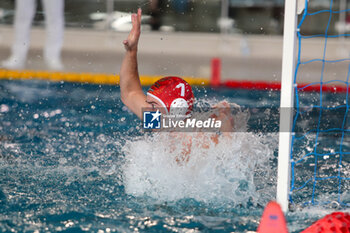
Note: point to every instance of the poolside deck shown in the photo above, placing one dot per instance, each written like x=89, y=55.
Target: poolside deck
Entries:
x=248, y=57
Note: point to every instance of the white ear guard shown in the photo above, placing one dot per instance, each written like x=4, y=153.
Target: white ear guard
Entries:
x=179, y=107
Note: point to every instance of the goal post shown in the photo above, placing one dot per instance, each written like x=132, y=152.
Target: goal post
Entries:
x=287, y=101
x=314, y=136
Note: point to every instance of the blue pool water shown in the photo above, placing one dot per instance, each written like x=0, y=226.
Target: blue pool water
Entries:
x=73, y=159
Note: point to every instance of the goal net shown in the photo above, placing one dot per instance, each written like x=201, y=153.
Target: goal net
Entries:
x=314, y=149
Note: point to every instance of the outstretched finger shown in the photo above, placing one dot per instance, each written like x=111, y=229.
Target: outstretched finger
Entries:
x=133, y=21
x=139, y=13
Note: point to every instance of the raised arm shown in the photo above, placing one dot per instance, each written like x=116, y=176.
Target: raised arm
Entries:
x=130, y=86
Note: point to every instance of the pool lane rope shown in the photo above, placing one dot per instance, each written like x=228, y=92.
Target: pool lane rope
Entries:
x=93, y=78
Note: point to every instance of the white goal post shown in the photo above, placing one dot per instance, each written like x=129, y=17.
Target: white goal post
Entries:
x=291, y=8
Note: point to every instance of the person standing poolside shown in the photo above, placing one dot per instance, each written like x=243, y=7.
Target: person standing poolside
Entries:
x=54, y=19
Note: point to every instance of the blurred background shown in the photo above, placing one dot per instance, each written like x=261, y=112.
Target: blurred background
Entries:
x=180, y=37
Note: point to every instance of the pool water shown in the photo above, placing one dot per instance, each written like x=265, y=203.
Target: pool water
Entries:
x=73, y=159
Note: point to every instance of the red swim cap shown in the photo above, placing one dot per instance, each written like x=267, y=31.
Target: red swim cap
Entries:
x=174, y=94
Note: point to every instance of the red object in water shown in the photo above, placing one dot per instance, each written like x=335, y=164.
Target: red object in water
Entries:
x=263, y=85
x=215, y=72
x=272, y=220
x=336, y=222
x=253, y=85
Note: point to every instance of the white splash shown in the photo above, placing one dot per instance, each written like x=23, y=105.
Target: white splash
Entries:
x=236, y=170
x=4, y=108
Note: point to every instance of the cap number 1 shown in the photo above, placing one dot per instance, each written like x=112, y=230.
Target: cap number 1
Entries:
x=182, y=86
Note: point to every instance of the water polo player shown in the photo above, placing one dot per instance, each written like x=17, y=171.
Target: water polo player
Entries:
x=170, y=95
x=166, y=94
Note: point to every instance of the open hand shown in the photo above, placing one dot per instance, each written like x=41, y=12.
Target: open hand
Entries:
x=131, y=42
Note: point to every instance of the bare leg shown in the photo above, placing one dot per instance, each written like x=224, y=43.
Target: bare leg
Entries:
x=54, y=19
x=25, y=10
